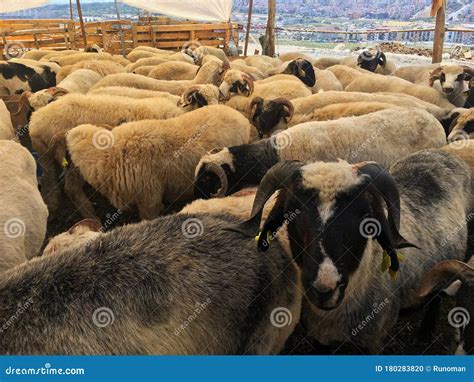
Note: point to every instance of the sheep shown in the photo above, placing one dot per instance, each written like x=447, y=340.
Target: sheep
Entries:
x=83, y=56
x=36, y=65
x=254, y=73
x=49, y=125
x=154, y=150
x=16, y=78
x=151, y=49
x=383, y=136
x=462, y=277
x=346, y=74
x=174, y=71
x=80, y=81
x=378, y=83
x=372, y=60
x=197, y=96
x=123, y=91
x=23, y=215
x=6, y=126
x=264, y=63
x=450, y=80
x=209, y=73
x=462, y=126
x=145, y=263
x=417, y=74
x=104, y=68
x=269, y=115
x=200, y=52
x=56, y=53
x=156, y=60
x=144, y=70
x=326, y=62
x=36, y=54
x=292, y=56
x=343, y=233
x=135, y=56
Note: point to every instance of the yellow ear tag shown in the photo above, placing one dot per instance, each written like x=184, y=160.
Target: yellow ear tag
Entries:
x=269, y=237
x=401, y=257
x=64, y=163
x=258, y=236
x=386, y=261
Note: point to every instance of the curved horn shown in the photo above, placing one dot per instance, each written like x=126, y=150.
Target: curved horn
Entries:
x=277, y=178
x=256, y=101
x=187, y=96
x=248, y=81
x=446, y=270
x=434, y=75
x=288, y=104
x=469, y=71
x=219, y=171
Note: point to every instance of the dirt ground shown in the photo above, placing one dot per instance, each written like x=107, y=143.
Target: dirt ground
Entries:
x=402, y=339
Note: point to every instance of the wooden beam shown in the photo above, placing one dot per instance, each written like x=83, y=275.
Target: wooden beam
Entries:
x=247, y=32
x=270, y=32
x=439, y=35
x=81, y=21
x=122, y=38
x=70, y=10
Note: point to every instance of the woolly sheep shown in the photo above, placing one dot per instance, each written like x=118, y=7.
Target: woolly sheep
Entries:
x=346, y=74
x=23, y=215
x=80, y=81
x=6, y=126
x=452, y=82
x=269, y=115
x=156, y=60
x=104, y=68
x=417, y=74
x=209, y=73
x=83, y=56
x=123, y=91
x=378, y=83
x=326, y=62
x=197, y=96
x=165, y=160
x=342, y=278
x=162, y=265
x=49, y=125
x=140, y=54
x=36, y=65
x=264, y=63
x=174, y=71
x=383, y=136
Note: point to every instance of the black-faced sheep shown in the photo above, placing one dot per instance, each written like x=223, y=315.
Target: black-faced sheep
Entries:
x=462, y=126
x=355, y=222
x=384, y=136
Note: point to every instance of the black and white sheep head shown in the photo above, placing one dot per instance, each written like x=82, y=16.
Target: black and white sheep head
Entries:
x=336, y=203
x=212, y=174
x=450, y=76
x=370, y=60
x=269, y=116
x=303, y=69
x=462, y=126
x=236, y=82
x=198, y=96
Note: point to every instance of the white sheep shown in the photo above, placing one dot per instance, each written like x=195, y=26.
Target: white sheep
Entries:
x=209, y=73
x=6, y=126
x=79, y=81
x=160, y=157
x=124, y=91
x=102, y=67
x=174, y=70
x=23, y=214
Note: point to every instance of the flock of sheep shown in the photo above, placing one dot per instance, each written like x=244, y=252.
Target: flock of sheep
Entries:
x=318, y=192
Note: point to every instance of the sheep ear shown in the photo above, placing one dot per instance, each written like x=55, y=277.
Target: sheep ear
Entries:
x=434, y=75
x=382, y=59
x=215, y=150
x=91, y=225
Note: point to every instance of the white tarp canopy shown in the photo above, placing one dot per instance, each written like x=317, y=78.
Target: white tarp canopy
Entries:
x=200, y=10
x=19, y=5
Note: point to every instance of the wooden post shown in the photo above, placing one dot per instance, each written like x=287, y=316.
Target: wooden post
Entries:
x=247, y=32
x=122, y=38
x=81, y=21
x=70, y=10
x=270, y=32
x=439, y=34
